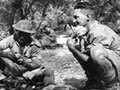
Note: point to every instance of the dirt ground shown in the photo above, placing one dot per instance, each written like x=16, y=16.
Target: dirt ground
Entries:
x=67, y=70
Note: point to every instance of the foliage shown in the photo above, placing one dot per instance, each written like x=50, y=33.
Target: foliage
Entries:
x=107, y=12
x=6, y=14
x=14, y=10
x=54, y=14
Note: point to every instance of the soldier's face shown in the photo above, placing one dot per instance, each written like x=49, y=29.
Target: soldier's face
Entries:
x=80, y=20
x=79, y=17
x=22, y=36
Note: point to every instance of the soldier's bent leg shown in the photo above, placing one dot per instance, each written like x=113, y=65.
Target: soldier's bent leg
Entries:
x=100, y=60
x=14, y=68
x=2, y=65
x=9, y=64
x=46, y=76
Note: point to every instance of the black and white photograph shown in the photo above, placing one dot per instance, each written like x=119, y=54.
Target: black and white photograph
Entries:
x=59, y=44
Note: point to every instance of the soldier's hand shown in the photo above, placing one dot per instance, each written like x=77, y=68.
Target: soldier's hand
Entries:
x=18, y=56
x=71, y=42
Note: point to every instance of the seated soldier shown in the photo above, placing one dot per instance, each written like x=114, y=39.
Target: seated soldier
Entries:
x=101, y=57
x=22, y=57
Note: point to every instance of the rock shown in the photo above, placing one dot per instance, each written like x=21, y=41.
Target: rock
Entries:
x=59, y=87
x=49, y=87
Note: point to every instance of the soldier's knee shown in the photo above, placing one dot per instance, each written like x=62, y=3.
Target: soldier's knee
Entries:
x=7, y=62
x=98, y=54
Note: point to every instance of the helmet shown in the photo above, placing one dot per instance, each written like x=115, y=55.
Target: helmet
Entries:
x=24, y=26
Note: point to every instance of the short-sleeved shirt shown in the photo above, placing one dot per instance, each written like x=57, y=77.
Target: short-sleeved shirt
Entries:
x=102, y=34
x=105, y=36
x=31, y=51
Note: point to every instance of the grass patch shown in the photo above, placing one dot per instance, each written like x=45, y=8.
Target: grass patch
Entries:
x=67, y=70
